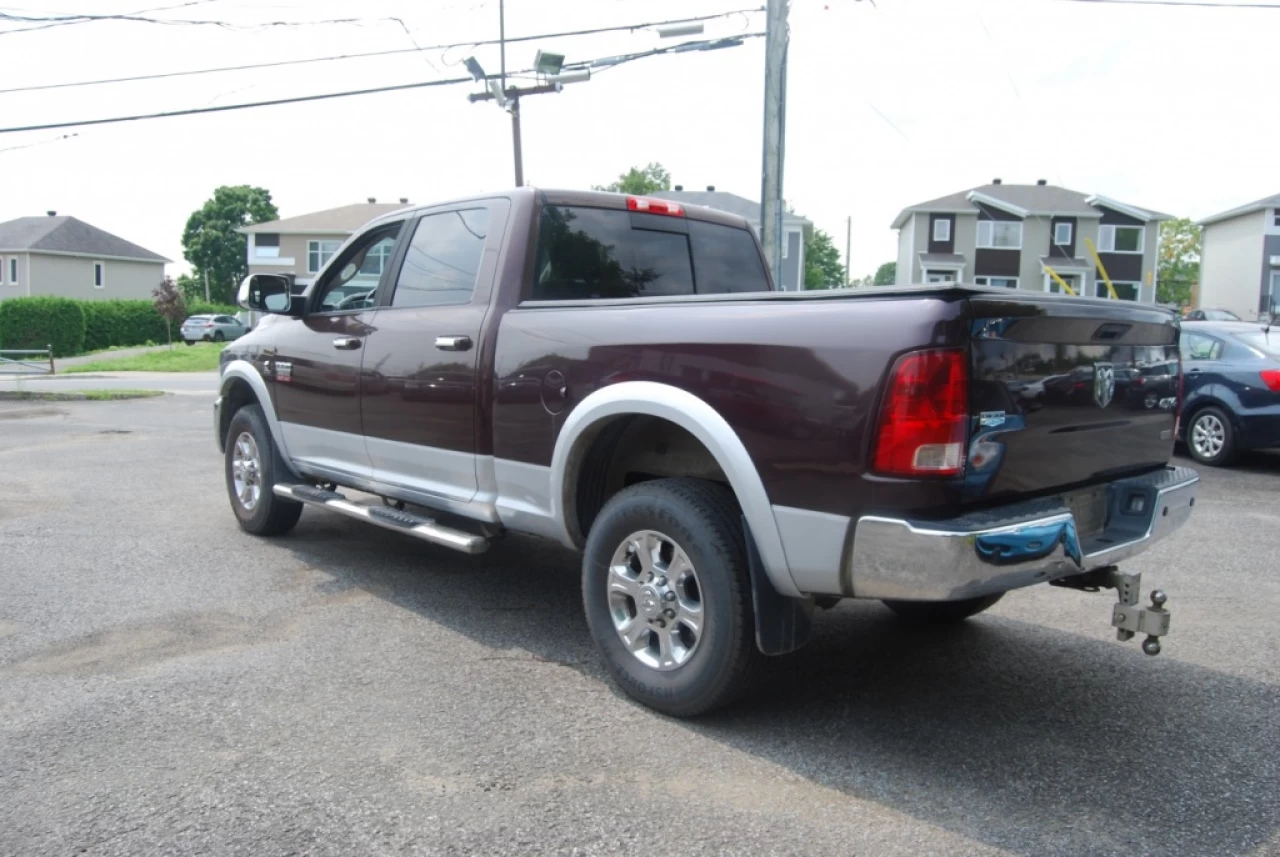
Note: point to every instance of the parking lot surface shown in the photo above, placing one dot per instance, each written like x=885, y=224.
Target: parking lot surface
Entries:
x=170, y=685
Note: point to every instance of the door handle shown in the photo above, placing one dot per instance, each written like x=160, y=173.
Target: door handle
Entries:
x=453, y=343
x=347, y=343
x=1194, y=371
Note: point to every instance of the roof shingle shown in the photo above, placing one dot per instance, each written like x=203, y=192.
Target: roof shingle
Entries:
x=69, y=235
x=1037, y=199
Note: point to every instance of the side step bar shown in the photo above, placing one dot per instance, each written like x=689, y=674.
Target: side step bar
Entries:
x=416, y=526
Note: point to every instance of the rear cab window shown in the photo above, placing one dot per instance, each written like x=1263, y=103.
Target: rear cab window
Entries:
x=587, y=253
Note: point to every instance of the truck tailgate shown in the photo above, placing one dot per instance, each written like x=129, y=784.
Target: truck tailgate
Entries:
x=1067, y=391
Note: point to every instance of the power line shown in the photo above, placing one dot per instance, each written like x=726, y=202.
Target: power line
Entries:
x=67, y=20
x=390, y=52
x=1200, y=4
x=275, y=102
x=72, y=20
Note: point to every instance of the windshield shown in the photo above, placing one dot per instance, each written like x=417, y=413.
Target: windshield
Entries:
x=1220, y=315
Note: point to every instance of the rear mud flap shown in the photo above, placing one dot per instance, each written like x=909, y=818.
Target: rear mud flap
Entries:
x=782, y=624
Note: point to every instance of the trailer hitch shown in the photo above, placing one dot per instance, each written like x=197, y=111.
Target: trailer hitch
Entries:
x=1126, y=616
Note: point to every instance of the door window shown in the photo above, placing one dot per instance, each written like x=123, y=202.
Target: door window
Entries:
x=1197, y=346
x=442, y=260
x=352, y=283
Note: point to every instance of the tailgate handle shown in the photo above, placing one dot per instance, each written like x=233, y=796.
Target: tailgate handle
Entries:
x=1111, y=330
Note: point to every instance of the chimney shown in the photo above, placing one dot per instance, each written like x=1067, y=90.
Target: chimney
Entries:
x=679, y=187
x=1041, y=182
x=52, y=213
x=997, y=181
x=404, y=200
x=711, y=188
x=372, y=200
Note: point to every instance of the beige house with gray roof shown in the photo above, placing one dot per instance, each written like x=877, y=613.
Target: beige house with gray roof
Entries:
x=1020, y=236
x=59, y=256
x=302, y=245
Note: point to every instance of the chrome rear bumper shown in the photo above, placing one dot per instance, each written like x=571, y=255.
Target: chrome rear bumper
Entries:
x=997, y=550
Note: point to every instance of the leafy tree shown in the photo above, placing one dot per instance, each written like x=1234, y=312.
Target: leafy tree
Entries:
x=822, y=266
x=192, y=289
x=210, y=241
x=1179, y=263
x=170, y=305
x=639, y=180
x=886, y=274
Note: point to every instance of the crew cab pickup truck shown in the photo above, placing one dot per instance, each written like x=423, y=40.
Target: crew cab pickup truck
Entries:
x=620, y=375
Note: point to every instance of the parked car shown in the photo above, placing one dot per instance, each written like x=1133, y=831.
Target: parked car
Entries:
x=1231, y=389
x=1211, y=315
x=617, y=373
x=212, y=328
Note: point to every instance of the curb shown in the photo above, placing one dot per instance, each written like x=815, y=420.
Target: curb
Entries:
x=35, y=396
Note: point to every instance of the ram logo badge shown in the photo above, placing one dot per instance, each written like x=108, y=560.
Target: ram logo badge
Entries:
x=1104, y=384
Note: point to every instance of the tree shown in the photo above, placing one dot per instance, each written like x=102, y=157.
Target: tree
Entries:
x=886, y=274
x=822, y=266
x=1179, y=263
x=640, y=180
x=170, y=305
x=211, y=243
x=191, y=288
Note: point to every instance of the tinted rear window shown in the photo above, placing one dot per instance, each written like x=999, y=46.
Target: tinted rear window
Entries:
x=1267, y=343
x=586, y=253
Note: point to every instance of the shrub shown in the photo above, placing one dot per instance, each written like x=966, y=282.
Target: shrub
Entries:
x=30, y=323
x=137, y=323
x=101, y=322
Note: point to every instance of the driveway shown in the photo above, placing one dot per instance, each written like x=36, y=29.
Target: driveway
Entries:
x=169, y=685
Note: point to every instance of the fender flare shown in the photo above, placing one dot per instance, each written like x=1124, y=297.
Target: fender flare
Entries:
x=694, y=415
x=245, y=371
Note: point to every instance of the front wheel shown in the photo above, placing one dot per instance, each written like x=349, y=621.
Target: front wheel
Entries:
x=667, y=595
x=942, y=612
x=189, y=341
x=253, y=467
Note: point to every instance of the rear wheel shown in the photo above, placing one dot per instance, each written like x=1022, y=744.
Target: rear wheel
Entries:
x=942, y=612
x=218, y=336
x=189, y=341
x=253, y=467
x=667, y=595
x=1210, y=438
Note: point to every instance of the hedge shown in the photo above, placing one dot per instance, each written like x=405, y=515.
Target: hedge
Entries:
x=31, y=323
x=101, y=324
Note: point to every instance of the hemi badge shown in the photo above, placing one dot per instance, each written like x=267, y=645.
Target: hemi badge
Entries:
x=992, y=419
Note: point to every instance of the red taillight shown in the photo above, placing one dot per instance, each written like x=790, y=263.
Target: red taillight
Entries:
x=1139, y=381
x=1271, y=377
x=655, y=206
x=924, y=420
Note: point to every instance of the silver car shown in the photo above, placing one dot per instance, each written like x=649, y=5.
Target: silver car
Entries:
x=212, y=328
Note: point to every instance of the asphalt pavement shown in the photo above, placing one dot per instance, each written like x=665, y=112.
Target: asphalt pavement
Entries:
x=170, y=685
x=178, y=383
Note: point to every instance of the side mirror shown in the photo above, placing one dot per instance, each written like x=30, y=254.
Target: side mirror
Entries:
x=271, y=293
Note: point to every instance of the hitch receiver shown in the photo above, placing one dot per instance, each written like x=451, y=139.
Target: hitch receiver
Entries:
x=1126, y=616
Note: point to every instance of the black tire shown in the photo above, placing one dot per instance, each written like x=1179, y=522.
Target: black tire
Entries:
x=218, y=336
x=704, y=521
x=189, y=342
x=1207, y=416
x=269, y=515
x=941, y=612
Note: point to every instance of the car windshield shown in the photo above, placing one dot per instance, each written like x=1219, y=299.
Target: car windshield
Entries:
x=1268, y=342
x=1220, y=315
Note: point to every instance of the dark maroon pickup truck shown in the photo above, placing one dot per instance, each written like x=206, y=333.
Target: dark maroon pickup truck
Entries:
x=618, y=374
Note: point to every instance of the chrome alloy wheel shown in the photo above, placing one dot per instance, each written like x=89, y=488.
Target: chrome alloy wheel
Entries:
x=1208, y=435
x=246, y=471
x=655, y=601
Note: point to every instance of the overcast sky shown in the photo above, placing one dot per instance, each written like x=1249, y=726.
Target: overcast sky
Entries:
x=1167, y=108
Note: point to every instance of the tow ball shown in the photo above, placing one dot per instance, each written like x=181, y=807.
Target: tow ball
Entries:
x=1126, y=616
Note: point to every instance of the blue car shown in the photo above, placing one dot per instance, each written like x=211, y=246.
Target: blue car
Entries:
x=1231, y=389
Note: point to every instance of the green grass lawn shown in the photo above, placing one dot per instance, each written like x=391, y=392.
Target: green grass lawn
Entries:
x=77, y=395
x=201, y=357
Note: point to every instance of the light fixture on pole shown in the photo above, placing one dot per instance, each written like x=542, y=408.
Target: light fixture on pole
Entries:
x=546, y=64
x=473, y=66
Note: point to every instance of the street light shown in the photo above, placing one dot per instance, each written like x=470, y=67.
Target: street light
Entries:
x=473, y=66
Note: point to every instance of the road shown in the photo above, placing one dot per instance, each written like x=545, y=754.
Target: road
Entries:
x=169, y=685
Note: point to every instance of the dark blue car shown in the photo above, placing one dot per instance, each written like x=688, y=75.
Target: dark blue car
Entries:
x=1231, y=389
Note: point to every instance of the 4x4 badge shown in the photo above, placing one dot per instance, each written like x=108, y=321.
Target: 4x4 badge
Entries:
x=1104, y=383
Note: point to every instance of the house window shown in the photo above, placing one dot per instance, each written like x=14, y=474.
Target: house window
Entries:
x=942, y=229
x=939, y=276
x=1000, y=234
x=1276, y=217
x=13, y=272
x=1124, y=290
x=266, y=245
x=997, y=282
x=99, y=274
x=1062, y=234
x=1120, y=239
x=319, y=253
x=377, y=258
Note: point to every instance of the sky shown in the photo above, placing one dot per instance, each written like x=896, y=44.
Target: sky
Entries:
x=888, y=104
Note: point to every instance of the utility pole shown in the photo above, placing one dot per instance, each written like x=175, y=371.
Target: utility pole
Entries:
x=775, y=95
x=848, y=247
x=512, y=95
x=514, y=108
